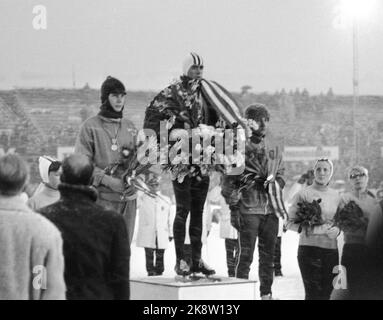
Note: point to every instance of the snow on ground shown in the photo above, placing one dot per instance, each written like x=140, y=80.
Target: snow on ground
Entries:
x=288, y=287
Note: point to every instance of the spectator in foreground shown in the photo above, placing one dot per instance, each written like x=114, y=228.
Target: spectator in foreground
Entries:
x=32, y=264
x=96, y=243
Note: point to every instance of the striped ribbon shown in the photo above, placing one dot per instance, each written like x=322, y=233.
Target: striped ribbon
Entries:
x=274, y=194
x=222, y=102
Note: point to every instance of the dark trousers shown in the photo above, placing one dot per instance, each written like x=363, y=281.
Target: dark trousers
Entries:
x=157, y=266
x=231, y=246
x=316, y=266
x=354, y=259
x=128, y=211
x=188, y=253
x=277, y=255
x=265, y=227
x=190, y=197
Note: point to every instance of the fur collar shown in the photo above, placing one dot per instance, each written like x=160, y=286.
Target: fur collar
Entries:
x=72, y=190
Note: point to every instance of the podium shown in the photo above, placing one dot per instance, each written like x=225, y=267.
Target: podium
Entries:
x=165, y=288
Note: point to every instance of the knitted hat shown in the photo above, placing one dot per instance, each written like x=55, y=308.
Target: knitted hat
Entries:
x=46, y=164
x=111, y=85
x=257, y=111
x=192, y=59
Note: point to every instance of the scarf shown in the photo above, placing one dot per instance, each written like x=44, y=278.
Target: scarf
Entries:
x=107, y=111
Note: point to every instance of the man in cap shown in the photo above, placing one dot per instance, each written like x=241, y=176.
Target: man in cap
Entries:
x=252, y=214
x=182, y=101
x=101, y=138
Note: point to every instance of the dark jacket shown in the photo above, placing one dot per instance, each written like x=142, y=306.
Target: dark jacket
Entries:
x=96, y=245
x=254, y=200
x=183, y=100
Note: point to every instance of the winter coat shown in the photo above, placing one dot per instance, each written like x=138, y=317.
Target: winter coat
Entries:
x=155, y=221
x=94, y=142
x=96, y=245
x=255, y=199
x=43, y=197
x=183, y=100
x=30, y=247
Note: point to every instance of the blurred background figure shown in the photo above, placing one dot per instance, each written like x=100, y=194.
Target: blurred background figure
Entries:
x=47, y=192
x=155, y=226
x=374, y=263
x=278, y=249
x=303, y=181
x=230, y=234
x=30, y=245
x=354, y=253
x=379, y=192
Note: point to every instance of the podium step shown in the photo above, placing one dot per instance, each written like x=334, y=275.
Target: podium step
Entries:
x=217, y=288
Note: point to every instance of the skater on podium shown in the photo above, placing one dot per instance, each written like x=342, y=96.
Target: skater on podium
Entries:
x=101, y=139
x=183, y=100
x=252, y=214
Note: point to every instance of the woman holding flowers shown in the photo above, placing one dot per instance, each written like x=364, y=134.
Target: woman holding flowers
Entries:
x=102, y=139
x=311, y=214
x=355, y=211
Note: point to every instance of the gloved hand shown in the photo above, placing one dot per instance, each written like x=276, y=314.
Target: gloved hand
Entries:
x=236, y=220
x=234, y=197
x=112, y=183
x=130, y=191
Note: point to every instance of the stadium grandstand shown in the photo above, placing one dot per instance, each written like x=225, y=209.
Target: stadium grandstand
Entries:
x=39, y=121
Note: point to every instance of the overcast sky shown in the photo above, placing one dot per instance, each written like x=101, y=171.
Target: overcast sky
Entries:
x=267, y=44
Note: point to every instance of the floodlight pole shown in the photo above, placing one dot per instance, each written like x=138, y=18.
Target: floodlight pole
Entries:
x=355, y=104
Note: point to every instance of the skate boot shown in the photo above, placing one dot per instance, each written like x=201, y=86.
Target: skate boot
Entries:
x=278, y=273
x=201, y=266
x=182, y=268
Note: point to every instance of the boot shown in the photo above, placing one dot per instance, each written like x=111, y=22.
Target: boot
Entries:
x=182, y=268
x=201, y=266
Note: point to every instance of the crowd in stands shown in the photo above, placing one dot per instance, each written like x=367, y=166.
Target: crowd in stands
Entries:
x=299, y=119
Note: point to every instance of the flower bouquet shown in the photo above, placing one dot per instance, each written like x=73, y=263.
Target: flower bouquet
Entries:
x=309, y=215
x=182, y=164
x=130, y=167
x=350, y=218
